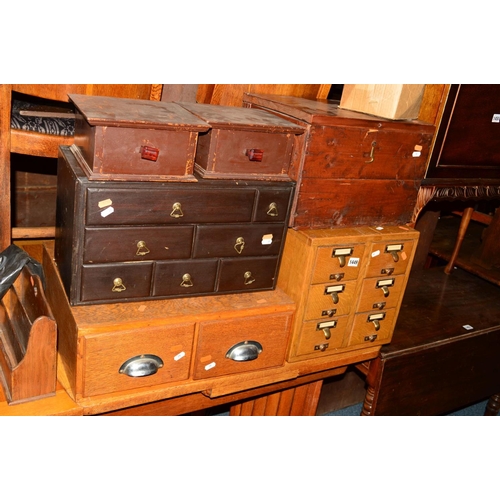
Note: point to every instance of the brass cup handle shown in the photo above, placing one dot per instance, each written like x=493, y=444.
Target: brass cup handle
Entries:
x=142, y=249
x=239, y=245
x=247, y=350
x=176, y=210
x=186, y=280
x=141, y=366
x=118, y=285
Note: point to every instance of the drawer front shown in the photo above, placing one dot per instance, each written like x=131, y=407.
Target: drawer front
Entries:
x=185, y=277
x=338, y=263
x=168, y=206
x=238, y=240
x=266, y=337
x=246, y=152
x=115, y=282
x=367, y=153
x=380, y=293
x=118, y=244
x=105, y=354
x=366, y=330
x=273, y=205
x=328, y=300
x=321, y=337
x=119, y=150
x=242, y=275
x=389, y=257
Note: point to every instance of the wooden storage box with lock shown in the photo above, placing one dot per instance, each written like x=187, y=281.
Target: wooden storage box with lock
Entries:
x=243, y=143
x=123, y=241
x=134, y=139
x=348, y=288
x=351, y=169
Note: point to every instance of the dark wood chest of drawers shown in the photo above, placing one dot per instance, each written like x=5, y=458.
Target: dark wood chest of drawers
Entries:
x=351, y=169
x=124, y=241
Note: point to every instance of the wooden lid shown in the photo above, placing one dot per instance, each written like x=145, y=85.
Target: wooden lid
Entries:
x=232, y=117
x=136, y=113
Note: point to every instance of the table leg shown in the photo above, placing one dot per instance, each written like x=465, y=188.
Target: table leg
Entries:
x=493, y=406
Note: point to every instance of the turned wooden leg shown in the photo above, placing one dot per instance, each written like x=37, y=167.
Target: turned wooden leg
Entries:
x=368, y=402
x=464, y=224
x=493, y=406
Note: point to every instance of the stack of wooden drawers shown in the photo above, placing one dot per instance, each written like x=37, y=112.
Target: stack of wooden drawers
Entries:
x=348, y=288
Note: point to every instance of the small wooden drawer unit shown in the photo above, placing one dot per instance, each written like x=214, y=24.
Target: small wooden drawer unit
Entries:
x=126, y=241
x=218, y=344
x=243, y=143
x=348, y=287
x=351, y=169
x=135, y=139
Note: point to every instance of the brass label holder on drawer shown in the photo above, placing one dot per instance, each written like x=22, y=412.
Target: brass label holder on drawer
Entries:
x=334, y=291
x=375, y=319
x=393, y=250
x=341, y=254
x=325, y=326
x=384, y=285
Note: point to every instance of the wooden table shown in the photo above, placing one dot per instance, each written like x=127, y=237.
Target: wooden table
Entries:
x=445, y=352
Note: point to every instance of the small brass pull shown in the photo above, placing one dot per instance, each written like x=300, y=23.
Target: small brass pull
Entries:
x=142, y=249
x=372, y=153
x=328, y=312
x=186, y=280
x=273, y=210
x=118, y=285
x=337, y=276
x=375, y=319
x=335, y=297
x=341, y=260
x=376, y=324
x=393, y=250
x=395, y=256
x=379, y=305
x=325, y=326
x=249, y=279
x=334, y=291
x=341, y=254
x=176, y=210
x=386, y=291
x=370, y=338
x=387, y=270
x=328, y=333
x=321, y=347
x=239, y=245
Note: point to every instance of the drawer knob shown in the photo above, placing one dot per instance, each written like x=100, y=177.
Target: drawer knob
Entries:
x=239, y=245
x=142, y=249
x=255, y=154
x=370, y=338
x=249, y=279
x=244, y=351
x=141, y=366
x=186, y=280
x=372, y=153
x=273, y=210
x=118, y=285
x=176, y=210
x=149, y=153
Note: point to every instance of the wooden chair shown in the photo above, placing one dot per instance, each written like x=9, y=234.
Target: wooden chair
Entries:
x=33, y=143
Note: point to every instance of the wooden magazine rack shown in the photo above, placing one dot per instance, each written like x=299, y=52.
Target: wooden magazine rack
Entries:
x=28, y=336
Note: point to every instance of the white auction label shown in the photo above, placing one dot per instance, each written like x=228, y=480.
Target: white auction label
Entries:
x=353, y=262
x=107, y=211
x=210, y=366
x=179, y=356
x=496, y=118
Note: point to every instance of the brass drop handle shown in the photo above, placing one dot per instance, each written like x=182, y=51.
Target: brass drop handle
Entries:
x=376, y=324
x=341, y=260
x=375, y=319
x=395, y=256
x=141, y=366
x=393, y=250
x=273, y=210
x=327, y=333
x=118, y=285
x=142, y=249
x=341, y=254
x=249, y=279
x=240, y=244
x=186, y=280
x=325, y=326
x=372, y=152
x=386, y=291
x=335, y=297
x=176, y=210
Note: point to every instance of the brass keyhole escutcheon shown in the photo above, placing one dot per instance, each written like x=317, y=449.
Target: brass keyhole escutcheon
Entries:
x=273, y=210
x=186, y=280
x=176, y=210
x=142, y=249
x=239, y=245
x=249, y=279
x=118, y=285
